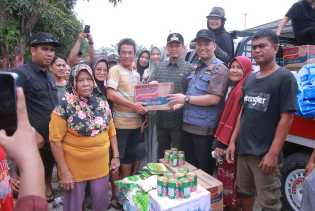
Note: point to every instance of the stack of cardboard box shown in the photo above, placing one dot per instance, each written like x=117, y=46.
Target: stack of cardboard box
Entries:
x=211, y=184
x=296, y=57
x=214, y=186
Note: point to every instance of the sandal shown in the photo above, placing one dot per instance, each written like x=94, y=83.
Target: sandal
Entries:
x=115, y=204
x=50, y=198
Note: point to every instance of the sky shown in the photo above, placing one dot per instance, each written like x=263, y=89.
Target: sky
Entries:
x=149, y=22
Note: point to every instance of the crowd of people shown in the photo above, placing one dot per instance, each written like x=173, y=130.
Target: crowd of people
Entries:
x=81, y=114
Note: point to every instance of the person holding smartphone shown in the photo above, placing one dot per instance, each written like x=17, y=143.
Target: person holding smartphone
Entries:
x=41, y=94
x=75, y=55
x=21, y=147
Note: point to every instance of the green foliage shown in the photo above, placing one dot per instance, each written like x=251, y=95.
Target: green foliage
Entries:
x=61, y=22
x=10, y=34
x=20, y=18
x=115, y=1
x=22, y=7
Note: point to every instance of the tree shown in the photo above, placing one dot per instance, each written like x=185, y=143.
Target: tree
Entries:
x=19, y=18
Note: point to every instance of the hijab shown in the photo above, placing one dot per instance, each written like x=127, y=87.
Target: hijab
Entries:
x=100, y=84
x=88, y=116
x=232, y=106
x=141, y=68
x=152, y=65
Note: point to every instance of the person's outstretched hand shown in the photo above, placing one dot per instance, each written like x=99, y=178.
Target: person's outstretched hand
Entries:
x=22, y=148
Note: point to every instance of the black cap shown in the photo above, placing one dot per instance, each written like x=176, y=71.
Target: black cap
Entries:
x=175, y=37
x=44, y=38
x=205, y=34
x=217, y=12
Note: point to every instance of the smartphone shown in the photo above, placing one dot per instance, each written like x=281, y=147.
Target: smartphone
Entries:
x=86, y=29
x=8, y=116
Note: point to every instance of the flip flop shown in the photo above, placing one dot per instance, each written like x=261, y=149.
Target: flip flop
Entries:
x=115, y=204
x=50, y=198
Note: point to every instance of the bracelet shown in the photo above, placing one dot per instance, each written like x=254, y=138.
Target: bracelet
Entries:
x=117, y=157
x=91, y=43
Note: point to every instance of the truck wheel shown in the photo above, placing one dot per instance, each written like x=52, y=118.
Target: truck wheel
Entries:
x=292, y=173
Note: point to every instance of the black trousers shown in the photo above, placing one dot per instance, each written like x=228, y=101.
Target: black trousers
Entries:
x=197, y=150
x=48, y=160
x=167, y=138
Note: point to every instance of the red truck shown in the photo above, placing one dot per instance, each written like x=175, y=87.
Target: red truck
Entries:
x=301, y=139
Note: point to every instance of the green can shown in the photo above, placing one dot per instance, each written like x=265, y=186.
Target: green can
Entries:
x=185, y=188
x=178, y=189
x=192, y=177
x=162, y=183
x=173, y=160
x=167, y=154
x=172, y=188
x=181, y=158
x=168, y=175
x=179, y=175
x=183, y=170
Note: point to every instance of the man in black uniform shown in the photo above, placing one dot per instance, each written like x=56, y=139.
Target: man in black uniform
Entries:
x=41, y=94
x=302, y=15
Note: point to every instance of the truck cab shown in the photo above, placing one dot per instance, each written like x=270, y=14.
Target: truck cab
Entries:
x=301, y=139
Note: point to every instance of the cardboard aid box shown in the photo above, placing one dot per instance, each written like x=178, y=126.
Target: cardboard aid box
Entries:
x=214, y=186
x=198, y=200
x=175, y=169
x=211, y=184
x=154, y=96
x=296, y=57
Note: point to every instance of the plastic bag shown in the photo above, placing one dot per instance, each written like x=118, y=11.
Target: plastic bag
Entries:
x=306, y=91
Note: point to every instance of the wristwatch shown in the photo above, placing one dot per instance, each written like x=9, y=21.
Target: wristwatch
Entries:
x=187, y=99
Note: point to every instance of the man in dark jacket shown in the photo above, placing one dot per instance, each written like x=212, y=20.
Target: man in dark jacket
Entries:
x=224, y=42
x=40, y=95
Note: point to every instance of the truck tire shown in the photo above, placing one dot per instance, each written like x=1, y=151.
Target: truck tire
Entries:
x=292, y=178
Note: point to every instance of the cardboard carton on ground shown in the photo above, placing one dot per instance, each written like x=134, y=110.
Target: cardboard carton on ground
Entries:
x=154, y=96
x=214, y=186
x=175, y=169
x=199, y=200
x=296, y=57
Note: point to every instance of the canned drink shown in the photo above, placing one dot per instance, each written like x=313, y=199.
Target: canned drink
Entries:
x=179, y=175
x=162, y=183
x=185, y=188
x=183, y=170
x=168, y=175
x=171, y=188
x=167, y=154
x=178, y=189
x=173, y=160
x=181, y=158
x=192, y=177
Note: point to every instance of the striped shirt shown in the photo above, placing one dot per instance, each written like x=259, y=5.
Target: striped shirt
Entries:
x=123, y=81
x=175, y=73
